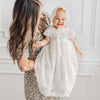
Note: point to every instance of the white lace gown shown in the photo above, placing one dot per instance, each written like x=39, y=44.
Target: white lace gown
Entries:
x=56, y=65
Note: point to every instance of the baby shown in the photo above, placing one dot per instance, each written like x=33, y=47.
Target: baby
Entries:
x=59, y=22
x=56, y=65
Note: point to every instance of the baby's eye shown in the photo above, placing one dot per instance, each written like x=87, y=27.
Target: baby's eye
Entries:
x=63, y=19
x=57, y=18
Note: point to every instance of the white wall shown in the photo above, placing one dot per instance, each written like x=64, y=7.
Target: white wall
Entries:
x=85, y=15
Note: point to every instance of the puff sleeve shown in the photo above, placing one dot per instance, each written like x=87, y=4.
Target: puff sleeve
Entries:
x=48, y=31
x=71, y=34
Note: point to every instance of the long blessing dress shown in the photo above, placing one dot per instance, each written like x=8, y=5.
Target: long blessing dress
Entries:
x=56, y=65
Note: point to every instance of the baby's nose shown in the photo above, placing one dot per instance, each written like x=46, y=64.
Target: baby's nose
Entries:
x=60, y=21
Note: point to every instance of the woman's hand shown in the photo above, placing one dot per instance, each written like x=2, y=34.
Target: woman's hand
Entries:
x=25, y=64
x=37, y=44
x=44, y=42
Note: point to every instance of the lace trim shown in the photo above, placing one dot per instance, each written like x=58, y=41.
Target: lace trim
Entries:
x=50, y=92
x=57, y=92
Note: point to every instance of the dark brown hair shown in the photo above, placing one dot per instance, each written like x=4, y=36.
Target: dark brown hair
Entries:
x=25, y=18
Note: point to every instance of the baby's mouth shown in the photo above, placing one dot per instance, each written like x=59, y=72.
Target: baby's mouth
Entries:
x=59, y=24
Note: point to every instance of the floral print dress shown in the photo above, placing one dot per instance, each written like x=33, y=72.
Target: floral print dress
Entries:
x=30, y=82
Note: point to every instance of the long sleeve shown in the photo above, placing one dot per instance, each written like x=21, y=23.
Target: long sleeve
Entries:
x=26, y=52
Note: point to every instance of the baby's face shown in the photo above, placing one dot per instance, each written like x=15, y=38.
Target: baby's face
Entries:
x=60, y=19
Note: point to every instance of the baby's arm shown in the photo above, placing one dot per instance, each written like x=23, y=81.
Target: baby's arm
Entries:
x=44, y=42
x=76, y=47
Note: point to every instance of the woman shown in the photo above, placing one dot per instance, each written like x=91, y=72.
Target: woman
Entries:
x=26, y=19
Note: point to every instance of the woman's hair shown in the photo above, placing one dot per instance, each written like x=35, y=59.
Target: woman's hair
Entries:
x=25, y=17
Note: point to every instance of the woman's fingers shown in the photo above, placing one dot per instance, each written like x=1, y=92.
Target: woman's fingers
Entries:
x=37, y=45
x=34, y=45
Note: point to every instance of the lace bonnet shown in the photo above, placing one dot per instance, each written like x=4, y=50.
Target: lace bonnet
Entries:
x=53, y=14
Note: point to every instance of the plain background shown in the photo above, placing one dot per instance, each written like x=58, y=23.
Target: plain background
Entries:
x=85, y=20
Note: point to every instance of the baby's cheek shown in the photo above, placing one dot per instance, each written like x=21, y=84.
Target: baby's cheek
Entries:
x=55, y=24
x=64, y=23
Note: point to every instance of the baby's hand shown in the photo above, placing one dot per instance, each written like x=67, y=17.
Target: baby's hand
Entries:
x=80, y=54
x=37, y=44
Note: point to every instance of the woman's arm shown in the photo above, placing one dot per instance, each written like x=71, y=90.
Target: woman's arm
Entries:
x=25, y=64
x=44, y=42
x=76, y=47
